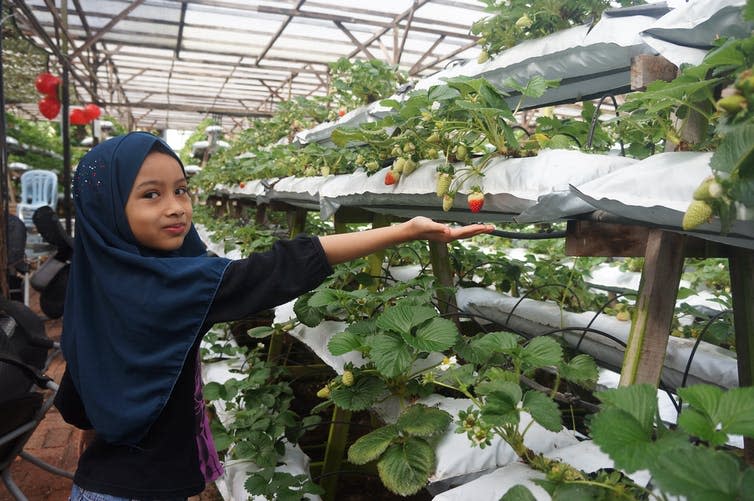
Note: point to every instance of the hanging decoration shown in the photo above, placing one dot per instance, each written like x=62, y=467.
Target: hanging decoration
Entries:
x=48, y=85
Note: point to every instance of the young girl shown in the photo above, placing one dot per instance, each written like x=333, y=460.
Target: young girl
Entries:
x=141, y=295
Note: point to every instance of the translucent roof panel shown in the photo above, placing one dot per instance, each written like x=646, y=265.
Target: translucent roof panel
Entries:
x=170, y=64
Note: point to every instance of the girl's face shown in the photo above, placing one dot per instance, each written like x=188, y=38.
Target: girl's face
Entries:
x=159, y=207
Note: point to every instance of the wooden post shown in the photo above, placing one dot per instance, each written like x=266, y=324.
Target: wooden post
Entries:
x=440, y=258
x=337, y=440
x=296, y=221
x=742, y=287
x=376, y=259
x=650, y=328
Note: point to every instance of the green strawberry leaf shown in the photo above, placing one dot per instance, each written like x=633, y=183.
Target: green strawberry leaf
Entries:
x=736, y=411
x=344, y=342
x=735, y=154
x=580, y=369
x=403, y=318
x=390, y=353
x=371, y=446
x=307, y=315
x=541, y=352
x=621, y=436
x=422, y=421
x=700, y=425
x=405, y=467
x=543, y=410
x=639, y=400
x=438, y=334
x=703, y=475
x=518, y=493
x=501, y=407
x=361, y=395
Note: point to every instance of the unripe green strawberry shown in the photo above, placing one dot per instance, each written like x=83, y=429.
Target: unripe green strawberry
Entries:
x=697, y=214
x=483, y=57
x=392, y=176
x=715, y=190
x=447, y=201
x=433, y=138
x=443, y=183
x=524, y=22
x=432, y=153
x=475, y=201
x=462, y=152
x=324, y=170
x=396, y=152
x=426, y=116
x=360, y=160
x=623, y=316
x=310, y=171
x=372, y=165
x=324, y=392
x=409, y=147
x=702, y=191
x=398, y=164
x=732, y=104
x=347, y=378
x=409, y=166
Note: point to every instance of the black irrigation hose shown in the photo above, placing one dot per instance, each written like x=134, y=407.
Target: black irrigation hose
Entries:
x=589, y=329
x=341, y=472
x=696, y=344
x=593, y=125
x=535, y=289
x=600, y=311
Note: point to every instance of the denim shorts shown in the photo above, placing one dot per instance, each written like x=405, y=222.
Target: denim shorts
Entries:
x=79, y=494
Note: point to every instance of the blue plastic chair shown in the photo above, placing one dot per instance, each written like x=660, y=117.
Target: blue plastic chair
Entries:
x=38, y=188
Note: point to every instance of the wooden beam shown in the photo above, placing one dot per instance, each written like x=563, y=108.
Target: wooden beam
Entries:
x=655, y=307
x=280, y=30
x=646, y=68
x=399, y=51
x=427, y=53
x=742, y=288
x=355, y=40
x=105, y=29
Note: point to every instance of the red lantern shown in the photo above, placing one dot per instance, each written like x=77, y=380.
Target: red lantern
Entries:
x=78, y=116
x=49, y=107
x=92, y=111
x=47, y=84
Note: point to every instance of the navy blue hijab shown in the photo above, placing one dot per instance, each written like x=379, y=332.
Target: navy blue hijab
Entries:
x=131, y=313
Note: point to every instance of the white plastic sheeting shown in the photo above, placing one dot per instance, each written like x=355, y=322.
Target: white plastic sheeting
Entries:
x=711, y=364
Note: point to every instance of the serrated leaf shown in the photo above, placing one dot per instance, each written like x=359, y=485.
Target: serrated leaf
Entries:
x=621, y=436
x=344, y=342
x=459, y=375
x=700, y=425
x=541, y=352
x=438, y=334
x=487, y=345
x=323, y=298
x=405, y=468
x=580, y=369
x=390, y=353
x=501, y=407
x=736, y=411
x=703, y=475
x=518, y=493
x=403, y=318
x=311, y=317
x=736, y=152
x=639, y=400
x=371, y=446
x=422, y=421
x=543, y=410
x=361, y=395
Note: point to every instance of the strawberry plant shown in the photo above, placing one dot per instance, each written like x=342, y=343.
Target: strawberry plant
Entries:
x=354, y=82
x=513, y=21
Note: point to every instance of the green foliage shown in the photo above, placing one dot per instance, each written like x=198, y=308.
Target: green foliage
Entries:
x=513, y=21
x=354, y=82
x=628, y=429
x=22, y=62
x=405, y=458
x=260, y=402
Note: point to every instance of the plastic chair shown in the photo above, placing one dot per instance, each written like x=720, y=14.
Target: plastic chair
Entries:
x=38, y=188
x=26, y=393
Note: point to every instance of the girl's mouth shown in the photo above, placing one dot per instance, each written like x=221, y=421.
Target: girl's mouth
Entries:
x=175, y=229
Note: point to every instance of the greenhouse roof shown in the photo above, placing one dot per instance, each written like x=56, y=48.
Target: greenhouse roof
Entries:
x=170, y=64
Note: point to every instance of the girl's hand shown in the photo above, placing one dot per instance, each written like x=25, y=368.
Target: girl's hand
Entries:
x=424, y=228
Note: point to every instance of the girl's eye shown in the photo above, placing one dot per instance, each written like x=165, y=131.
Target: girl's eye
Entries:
x=181, y=191
x=151, y=194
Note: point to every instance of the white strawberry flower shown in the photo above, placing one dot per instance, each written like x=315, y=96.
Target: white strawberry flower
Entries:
x=448, y=362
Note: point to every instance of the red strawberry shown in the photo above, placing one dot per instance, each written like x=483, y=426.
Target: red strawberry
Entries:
x=475, y=200
x=341, y=111
x=242, y=185
x=392, y=176
x=49, y=107
x=47, y=84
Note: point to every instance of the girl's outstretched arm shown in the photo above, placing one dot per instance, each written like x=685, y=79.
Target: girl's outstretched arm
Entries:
x=347, y=246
